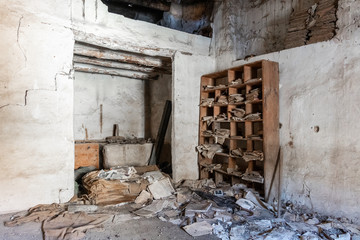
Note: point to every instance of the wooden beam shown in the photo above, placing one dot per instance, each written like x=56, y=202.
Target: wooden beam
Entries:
x=114, y=72
x=165, y=7
x=112, y=64
x=119, y=45
x=125, y=57
x=119, y=65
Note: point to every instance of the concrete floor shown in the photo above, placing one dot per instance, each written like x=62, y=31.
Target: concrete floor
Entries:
x=139, y=229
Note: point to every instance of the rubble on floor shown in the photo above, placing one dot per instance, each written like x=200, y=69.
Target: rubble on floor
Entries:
x=199, y=207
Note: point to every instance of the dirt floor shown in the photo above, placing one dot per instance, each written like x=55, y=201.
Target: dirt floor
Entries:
x=119, y=228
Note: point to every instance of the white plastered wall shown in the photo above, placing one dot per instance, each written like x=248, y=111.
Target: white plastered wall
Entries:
x=36, y=104
x=121, y=100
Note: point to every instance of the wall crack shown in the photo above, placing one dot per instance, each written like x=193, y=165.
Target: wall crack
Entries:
x=40, y=89
x=17, y=38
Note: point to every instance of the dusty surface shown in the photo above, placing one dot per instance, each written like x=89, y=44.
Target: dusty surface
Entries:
x=140, y=229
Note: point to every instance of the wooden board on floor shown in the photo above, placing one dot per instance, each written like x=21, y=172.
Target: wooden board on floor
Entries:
x=86, y=154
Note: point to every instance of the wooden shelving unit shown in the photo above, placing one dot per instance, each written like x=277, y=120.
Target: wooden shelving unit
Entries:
x=264, y=76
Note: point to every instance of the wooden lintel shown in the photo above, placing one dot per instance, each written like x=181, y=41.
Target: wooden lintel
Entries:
x=125, y=57
x=114, y=72
x=162, y=6
x=119, y=45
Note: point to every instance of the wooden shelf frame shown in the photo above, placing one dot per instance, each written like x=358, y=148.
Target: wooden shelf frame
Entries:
x=267, y=75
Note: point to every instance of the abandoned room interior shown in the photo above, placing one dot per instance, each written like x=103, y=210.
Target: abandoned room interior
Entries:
x=180, y=119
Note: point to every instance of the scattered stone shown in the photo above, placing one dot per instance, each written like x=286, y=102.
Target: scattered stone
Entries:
x=82, y=208
x=199, y=229
x=239, y=233
x=310, y=236
x=153, y=176
x=223, y=216
x=312, y=221
x=246, y=204
x=281, y=233
x=161, y=189
x=302, y=227
x=183, y=195
x=150, y=210
x=143, y=197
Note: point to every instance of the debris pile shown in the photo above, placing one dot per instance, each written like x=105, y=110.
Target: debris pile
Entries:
x=199, y=207
x=113, y=186
x=237, y=212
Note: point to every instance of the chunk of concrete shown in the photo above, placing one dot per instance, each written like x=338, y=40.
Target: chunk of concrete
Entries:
x=126, y=154
x=143, y=197
x=239, y=233
x=153, y=176
x=199, y=229
x=161, y=189
x=246, y=204
x=152, y=209
x=82, y=208
x=310, y=236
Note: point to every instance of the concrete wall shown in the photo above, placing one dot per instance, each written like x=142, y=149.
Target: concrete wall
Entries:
x=122, y=101
x=187, y=72
x=251, y=27
x=158, y=91
x=319, y=87
x=36, y=104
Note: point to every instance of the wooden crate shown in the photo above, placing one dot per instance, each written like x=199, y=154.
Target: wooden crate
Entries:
x=86, y=154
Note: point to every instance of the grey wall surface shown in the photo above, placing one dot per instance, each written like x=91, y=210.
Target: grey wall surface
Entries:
x=319, y=86
x=250, y=27
x=158, y=92
x=122, y=101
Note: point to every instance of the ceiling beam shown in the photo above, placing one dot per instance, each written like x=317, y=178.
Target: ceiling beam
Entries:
x=119, y=45
x=165, y=7
x=88, y=68
x=125, y=57
x=112, y=64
